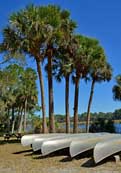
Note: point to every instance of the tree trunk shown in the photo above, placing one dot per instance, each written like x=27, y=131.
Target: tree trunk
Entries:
x=19, y=117
x=25, y=116
x=44, y=123
x=9, y=121
x=13, y=121
x=50, y=92
x=13, y=126
x=89, y=106
x=21, y=122
x=76, y=98
x=67, y=104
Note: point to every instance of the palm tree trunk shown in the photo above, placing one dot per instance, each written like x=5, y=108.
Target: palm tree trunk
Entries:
x=25, y=116
x=21, y=122
x=19, y=116
x=76, y=98
x=13, y=126
x=89, y=106
x=67, y=104
x=44, y=123
x=50, y=89
x=13, y=120
x=9, y=121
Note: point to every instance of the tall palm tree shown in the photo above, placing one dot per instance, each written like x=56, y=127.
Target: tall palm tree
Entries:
x=117, y=88
x=100, y=71
x=64, y=62
x=81, y=66
x=64, y=70
x=49, y=48
x=57, y=36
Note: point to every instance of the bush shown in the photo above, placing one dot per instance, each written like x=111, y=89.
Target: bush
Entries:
x=102, y=125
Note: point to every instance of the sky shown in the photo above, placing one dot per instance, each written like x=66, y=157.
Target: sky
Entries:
x=99, y=19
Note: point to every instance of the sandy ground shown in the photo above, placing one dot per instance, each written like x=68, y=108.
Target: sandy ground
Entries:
x=17, y=159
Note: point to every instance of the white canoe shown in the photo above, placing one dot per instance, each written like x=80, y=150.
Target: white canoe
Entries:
x=50, y=146
x=79, y=146
x=107, y=148
x=27, y=140
x=37, y=142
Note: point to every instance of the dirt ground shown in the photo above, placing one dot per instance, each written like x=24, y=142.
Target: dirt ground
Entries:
x=15, y=158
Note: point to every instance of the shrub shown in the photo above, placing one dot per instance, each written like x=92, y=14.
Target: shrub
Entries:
x=102, y=125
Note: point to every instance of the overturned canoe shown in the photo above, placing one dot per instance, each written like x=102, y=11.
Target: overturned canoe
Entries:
x=37, y=142
x=107, y=148
x=79, y=146
x=27, y=140
x=50, y=146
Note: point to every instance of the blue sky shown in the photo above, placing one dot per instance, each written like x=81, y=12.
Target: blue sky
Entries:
x=98, y=19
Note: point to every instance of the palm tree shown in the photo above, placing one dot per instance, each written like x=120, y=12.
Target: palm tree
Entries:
x=81, y=65
x=52, y=27
x=117, y=88
x=57, y=36
x=63, y=64
x=99, y=71
x=63, y=69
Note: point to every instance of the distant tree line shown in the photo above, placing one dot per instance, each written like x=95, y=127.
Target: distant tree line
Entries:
x=116, y=115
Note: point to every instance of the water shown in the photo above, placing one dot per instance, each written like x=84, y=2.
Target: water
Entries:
x=116, y=125
x=80, y=126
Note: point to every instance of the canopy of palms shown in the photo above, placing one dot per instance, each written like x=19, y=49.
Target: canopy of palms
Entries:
x=47, y=32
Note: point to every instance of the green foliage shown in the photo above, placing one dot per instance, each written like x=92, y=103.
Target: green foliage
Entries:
x=16, y=85
x=95, y=116
x=37, y=124
x=117, y=89
x=32, y=28
x=102, y=125
x=56, y=123
x=116, y=115
x=60, y=118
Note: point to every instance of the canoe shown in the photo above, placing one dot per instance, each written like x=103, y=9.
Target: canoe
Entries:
x=107, y=148
x=27, y=140
x=50, y=146
x=37, y=142
x=79, y=146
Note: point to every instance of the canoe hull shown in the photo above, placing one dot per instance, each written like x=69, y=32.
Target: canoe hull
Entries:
x=27, y=140
x=107, y=148
x=50, y=146
x=37, y=142
x=79, y=146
